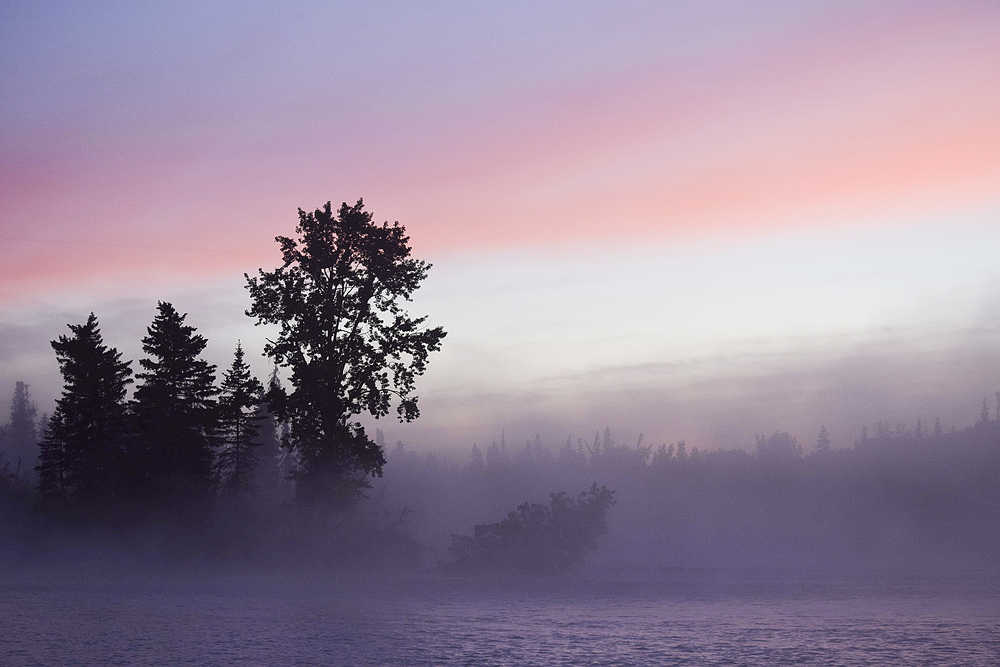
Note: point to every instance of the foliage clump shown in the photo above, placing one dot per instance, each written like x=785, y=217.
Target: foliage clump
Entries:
x=537, y=538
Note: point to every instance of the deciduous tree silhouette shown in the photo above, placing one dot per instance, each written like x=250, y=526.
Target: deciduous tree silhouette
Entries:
x=338, y=299
x=175, y=409
x=82, y=450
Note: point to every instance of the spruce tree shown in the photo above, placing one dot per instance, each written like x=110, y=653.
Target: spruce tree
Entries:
x=268, y=482
x=51, y=466
x=21, y=437
x=174, y=409
x=82, y=449
x=238, y=425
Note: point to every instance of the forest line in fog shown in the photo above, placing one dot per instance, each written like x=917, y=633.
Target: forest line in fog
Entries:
x=896, y=496
x=169, y=458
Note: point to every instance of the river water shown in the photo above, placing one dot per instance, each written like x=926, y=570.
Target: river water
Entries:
x=684, y=617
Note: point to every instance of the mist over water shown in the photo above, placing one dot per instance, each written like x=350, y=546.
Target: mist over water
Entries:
x=885, y=551
x=699, y=616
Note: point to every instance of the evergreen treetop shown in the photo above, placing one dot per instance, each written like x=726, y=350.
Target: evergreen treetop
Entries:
x=238, y=424
x=21, y=434
x=175, y=406
x=82, y=450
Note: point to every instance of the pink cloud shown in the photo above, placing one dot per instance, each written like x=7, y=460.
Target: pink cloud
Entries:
x=859, y=114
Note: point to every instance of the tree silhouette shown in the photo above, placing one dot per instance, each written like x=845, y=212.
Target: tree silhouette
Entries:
x=174, y=408
x=349, y=344
x=20, y=434
x=267, y=479
x=238, y=425
x=537, y=538
x=82, y=449
x=984, y=414
x=51, y=467
x=779, y=446
x=823, y=440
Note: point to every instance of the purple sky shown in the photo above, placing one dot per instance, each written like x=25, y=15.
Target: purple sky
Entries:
x=603, y=187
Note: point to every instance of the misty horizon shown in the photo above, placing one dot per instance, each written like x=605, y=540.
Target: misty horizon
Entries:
x=917, y=360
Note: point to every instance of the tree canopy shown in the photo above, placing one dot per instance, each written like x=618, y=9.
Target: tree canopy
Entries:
x=83, y=445
x=338, y=301
x=238, y=425
x=174, y=407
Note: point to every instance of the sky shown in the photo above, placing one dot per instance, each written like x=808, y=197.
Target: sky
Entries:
x=691, y=220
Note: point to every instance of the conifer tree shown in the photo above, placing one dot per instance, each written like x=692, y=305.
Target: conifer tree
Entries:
x=267, y=476
x=289, y=463
x=175, y=409
x=20, y=435
x=238, y=425
x=823, y=440
x=476, y=462
x=82, y=450
x=51, y=470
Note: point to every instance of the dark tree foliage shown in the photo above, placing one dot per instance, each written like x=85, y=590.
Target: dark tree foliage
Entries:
x=82, y=449
x=537, y=538
x=779, y=446
x=174, y=409
x=238, y=425
x=20, y=437
x=51, y=467
x=268, y=479
x=351, y=347
x=15, y=496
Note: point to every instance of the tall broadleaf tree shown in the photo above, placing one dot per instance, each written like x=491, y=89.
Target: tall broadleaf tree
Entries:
x=238, y=425
x=338, y=301
x=82, y=450
x=175, y=409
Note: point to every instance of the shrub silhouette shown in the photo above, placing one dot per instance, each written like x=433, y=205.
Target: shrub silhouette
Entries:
x=537, y=538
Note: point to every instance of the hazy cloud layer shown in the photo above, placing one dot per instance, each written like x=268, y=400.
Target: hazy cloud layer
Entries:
x=723, y=401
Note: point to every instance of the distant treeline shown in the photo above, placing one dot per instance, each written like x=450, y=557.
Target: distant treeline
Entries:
x=895, y=497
